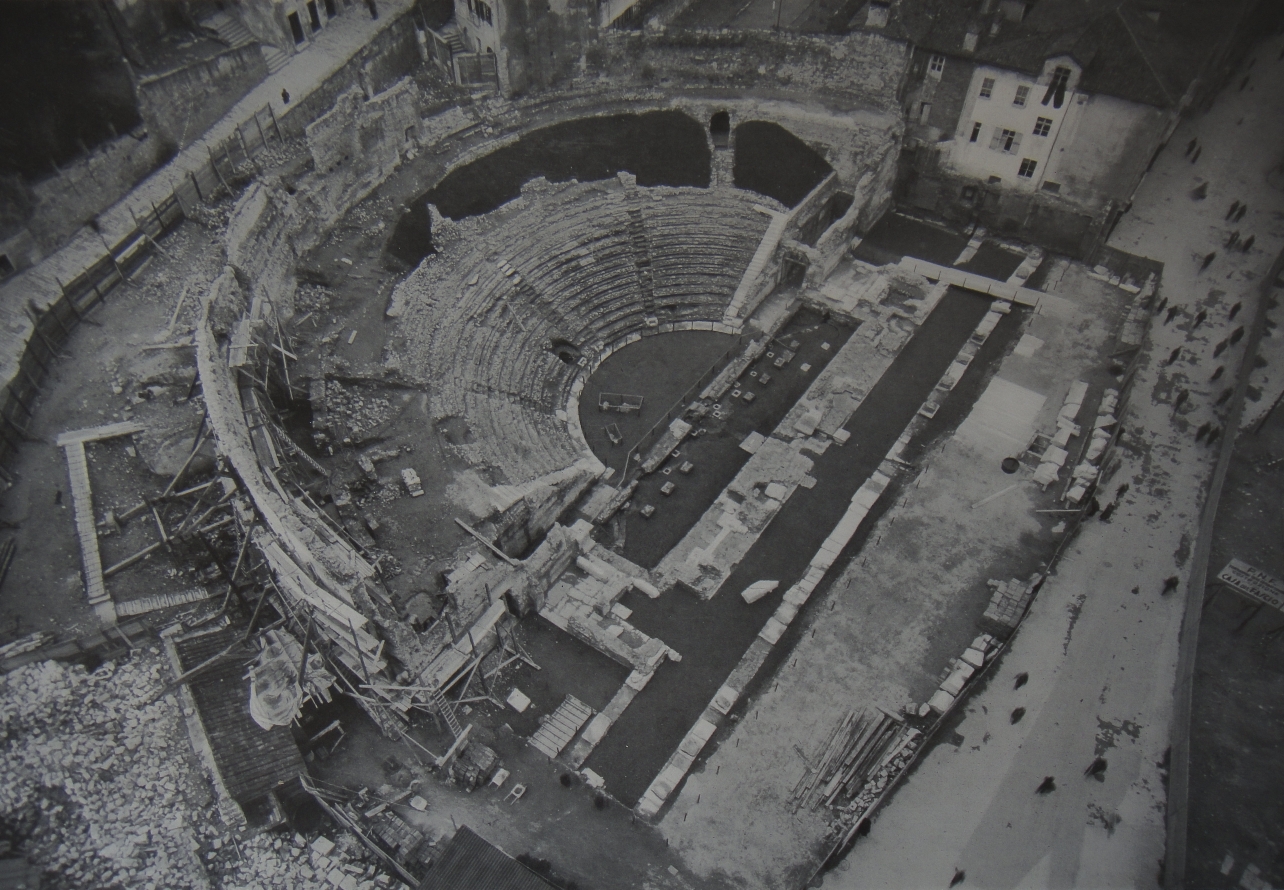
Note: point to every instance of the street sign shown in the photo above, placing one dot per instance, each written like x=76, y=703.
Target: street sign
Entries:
x=1253, y=583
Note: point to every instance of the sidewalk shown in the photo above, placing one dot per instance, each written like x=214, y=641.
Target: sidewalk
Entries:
x=302, y=75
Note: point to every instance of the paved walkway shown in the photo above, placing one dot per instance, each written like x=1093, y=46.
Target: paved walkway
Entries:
x=302, y=75
x=1100, y=658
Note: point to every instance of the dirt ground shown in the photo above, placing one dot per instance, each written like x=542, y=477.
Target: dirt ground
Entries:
x=111, y=370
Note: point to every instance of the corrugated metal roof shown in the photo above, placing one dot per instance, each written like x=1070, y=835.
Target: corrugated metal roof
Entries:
x=251, y=761
x=470, y=862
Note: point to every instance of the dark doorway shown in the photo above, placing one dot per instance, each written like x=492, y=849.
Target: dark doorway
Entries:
x=330, y=9
x=314, y=15
x=720, y=129
x=296, y=28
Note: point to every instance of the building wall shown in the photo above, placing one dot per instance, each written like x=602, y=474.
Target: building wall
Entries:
x=945, y=92
x=1104, y=148
x=982, y=159
x=181, y=105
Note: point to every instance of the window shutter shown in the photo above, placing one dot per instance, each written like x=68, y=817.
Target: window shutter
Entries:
x=1016, y=143
x=998, y=136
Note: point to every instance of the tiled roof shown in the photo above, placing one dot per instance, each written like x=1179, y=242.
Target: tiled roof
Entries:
x=1147, y=51
x=469, y=862
x=251, y=761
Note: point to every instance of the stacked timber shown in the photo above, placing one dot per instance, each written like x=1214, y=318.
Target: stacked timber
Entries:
x=856, y=748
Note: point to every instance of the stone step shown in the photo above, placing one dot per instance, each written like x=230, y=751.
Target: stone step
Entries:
x=561, y=726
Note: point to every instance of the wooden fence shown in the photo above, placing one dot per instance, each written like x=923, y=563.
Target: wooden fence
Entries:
x=78, y=297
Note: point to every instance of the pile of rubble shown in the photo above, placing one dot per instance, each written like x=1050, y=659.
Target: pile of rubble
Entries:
x=356, y=412
x=311, y=298
x=273, y=861
x=97, y=779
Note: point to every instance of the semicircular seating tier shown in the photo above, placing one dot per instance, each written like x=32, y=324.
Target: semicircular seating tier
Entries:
x=498, y=313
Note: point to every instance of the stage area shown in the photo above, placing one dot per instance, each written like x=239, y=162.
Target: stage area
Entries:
x=713, y=634
x=655, y=362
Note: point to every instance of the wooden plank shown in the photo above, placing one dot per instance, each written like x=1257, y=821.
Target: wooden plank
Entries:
x=94, y=434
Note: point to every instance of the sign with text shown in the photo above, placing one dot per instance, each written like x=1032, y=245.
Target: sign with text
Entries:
x=1254, y=583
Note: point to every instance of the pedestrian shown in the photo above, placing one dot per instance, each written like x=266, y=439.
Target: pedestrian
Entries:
x=1234, y=310
x=1162, y=304
x=1017, y=714
x=1200, y=192
x=959, y=876
x=1171, y=584
x=1212, y=437
x=1239, y=214
x=1226, y=394
x=1195, y=157
x=1208, y=261
x=1108, y=512
x=1203, y=431
x=1121, y=490
x=1173, y=356
x=1248, y=243
x=1181, y=398
x=285, y=96
x=1092, y=508
x=1190, y=146
x=1096, y=769
x=1047, y=786
x=1231, y=212
x=1237, y=335
x=1234, y=237
x=1021, y=679
x=1219, y=349
x=1218, y=373
x=1199, y=318
x=1172, y=312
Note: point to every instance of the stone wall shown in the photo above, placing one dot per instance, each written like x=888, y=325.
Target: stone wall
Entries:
x=357, y=144
x=859, y=70
x=1039, y=217
x=261, y=236
x=181, y=105
x=78, y=192
x=390, y=56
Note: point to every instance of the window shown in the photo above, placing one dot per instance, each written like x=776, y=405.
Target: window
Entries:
x=924, y=112
x=1006, y=141
x=1052, y=187
x=1042, y=126
x=481, y=11
x=987, y=87
x=1057, y=87
x=1022, y=93
x=976, y=131
x=1027, y=168
x=936, y=64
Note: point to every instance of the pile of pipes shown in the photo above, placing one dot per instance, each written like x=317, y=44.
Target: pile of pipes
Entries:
x=859, y=747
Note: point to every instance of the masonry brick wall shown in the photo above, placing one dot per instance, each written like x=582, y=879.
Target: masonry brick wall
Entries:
x=181, y=105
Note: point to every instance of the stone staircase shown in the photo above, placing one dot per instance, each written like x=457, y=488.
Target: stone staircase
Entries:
x=451, y=34
x=233, y=32
x=561, y=726
x=641, y=245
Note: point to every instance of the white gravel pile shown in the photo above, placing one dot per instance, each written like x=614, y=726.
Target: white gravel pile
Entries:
x=97, y=780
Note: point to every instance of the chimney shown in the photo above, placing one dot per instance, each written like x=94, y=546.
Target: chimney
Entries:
x=876, y=15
